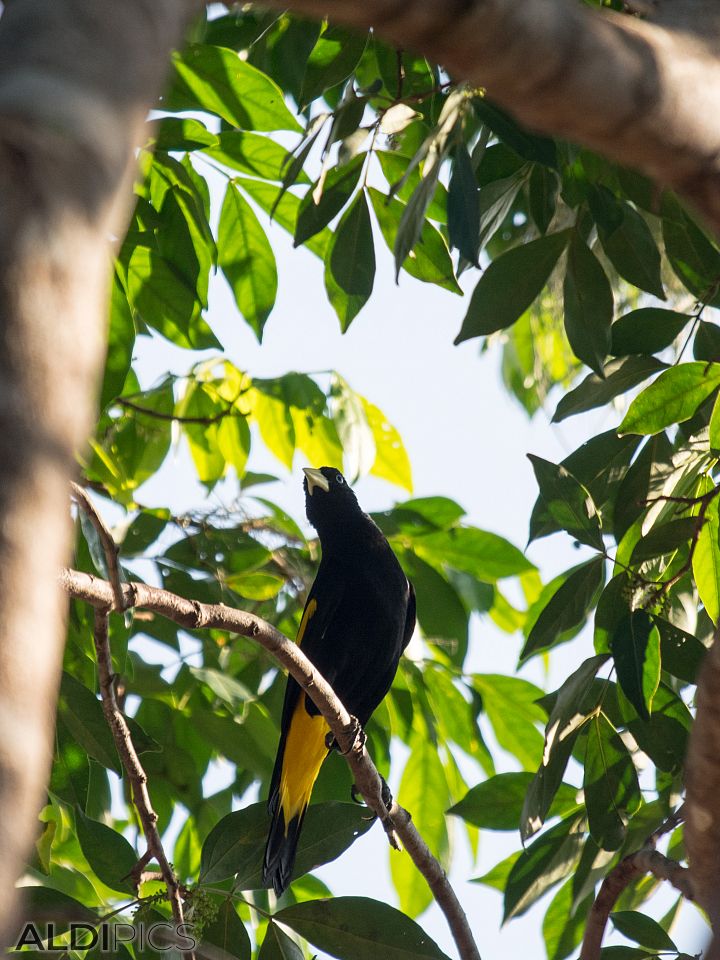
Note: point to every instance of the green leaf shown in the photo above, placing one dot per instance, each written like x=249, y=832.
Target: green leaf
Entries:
x=485, y=555
x=247, y=260
x=567, y=608
x=695, y=260
x=664, y=736
x=121, y=341
x=497, y=803
x=333, y=59
x=567, y=716
x=562, y=927
x=588, y=303
x=82, y=713
x=706, y=560
x=183, y=133
x=706, y=345
x=227, y=933
x=357, y=928
x=254, y=154
x=681, y=652
x=510, y=284
x=543, y=189
x=618, y=377
x=528, y=145
x=424, y=790
x=511, y=708
x=430, y=260
x=497, y=199
x=164, y=298
x=236, y=844
x=672, y=398
x=540, y=866
x=636, y=652
x=496, y=877
x=284, y=207
x=642, y=929
x=350, y=262
x=610, y=784
x=464, y=207
x=630, y=247
x=109, y=854
x=394, y=165
x=277, y=945
x=337, y=189
x=648, y=330
x=233, y=89
x=440, y=611
x=662, y=539
x=568, y=502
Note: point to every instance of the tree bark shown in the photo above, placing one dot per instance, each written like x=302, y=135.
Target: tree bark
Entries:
x=644, y=94
x=77, y=78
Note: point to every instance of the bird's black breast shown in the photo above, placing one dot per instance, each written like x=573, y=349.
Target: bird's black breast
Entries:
x=362, y=641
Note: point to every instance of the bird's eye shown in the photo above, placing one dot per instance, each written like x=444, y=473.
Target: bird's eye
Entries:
x=339, y=478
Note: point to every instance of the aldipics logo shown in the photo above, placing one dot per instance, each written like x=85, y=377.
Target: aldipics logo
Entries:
x=107, y=937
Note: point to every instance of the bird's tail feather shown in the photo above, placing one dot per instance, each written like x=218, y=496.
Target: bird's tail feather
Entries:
x=303, y=753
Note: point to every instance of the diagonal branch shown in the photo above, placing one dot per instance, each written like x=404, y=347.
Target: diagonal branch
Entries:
x=644, y=94
x=132, y=766
x=192, y=615
x=109, y=546
x=646, y=860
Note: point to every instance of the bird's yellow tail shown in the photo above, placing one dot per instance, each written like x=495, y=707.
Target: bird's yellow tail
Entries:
x=302, y=756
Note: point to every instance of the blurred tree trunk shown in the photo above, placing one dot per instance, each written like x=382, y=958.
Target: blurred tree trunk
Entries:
x=77, y=78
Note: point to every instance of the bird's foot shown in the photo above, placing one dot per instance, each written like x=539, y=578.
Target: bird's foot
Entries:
x=385, y=793
x=356, y=738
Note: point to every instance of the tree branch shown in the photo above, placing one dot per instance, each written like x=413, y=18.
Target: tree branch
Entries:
x=646, y=95
x=110, y=548
x=646, y=860
x=132, y=766
x=192, y=615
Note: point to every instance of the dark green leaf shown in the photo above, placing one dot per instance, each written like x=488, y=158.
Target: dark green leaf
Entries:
x=629, y=244
x=636, y=652
x=121, y=340
x=82, y=713
x=707, y=341
x=183, y=133
x=337, y=190
x=642, y=929
x=648, y=330
x=236, y=844
x=350, y=262
x=284, y=207
x=497, y=803
x=485, y=555
x=664, y=736
x=610, y=784
x=356, y=928
x=144, y=531
x=464, y=207
x=109, y=854
x=571, y=708
x=333, y=59
x=595, y=391
x=543, y=189
x=227, y=933
x=540, y=866
x=663, y=538
x=529, y=146
x=510, y=284
x=431, y=261
x=562, y=927
x=588, y=303
x=568, y=502
x=247, y=260
x=672, y=398
x=277, y=945
x=567, y=608
x=681, y=652
x=692, y=256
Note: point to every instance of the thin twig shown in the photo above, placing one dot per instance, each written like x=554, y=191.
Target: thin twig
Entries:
x=109, y=546
x=645, y=860
x=177, y=418
x=192, y=615
x=130, y=760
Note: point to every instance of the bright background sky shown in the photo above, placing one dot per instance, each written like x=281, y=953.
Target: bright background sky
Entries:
x=467, y=439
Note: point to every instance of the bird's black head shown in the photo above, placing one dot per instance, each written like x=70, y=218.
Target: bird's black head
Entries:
x=330, y=503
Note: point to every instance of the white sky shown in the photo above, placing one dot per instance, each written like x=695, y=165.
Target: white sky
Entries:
x=466, y=439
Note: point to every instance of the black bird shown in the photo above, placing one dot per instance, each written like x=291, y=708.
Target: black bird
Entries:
x=358, y=619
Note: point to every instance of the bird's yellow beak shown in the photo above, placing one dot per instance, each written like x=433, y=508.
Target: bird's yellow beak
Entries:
x=316, y=479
